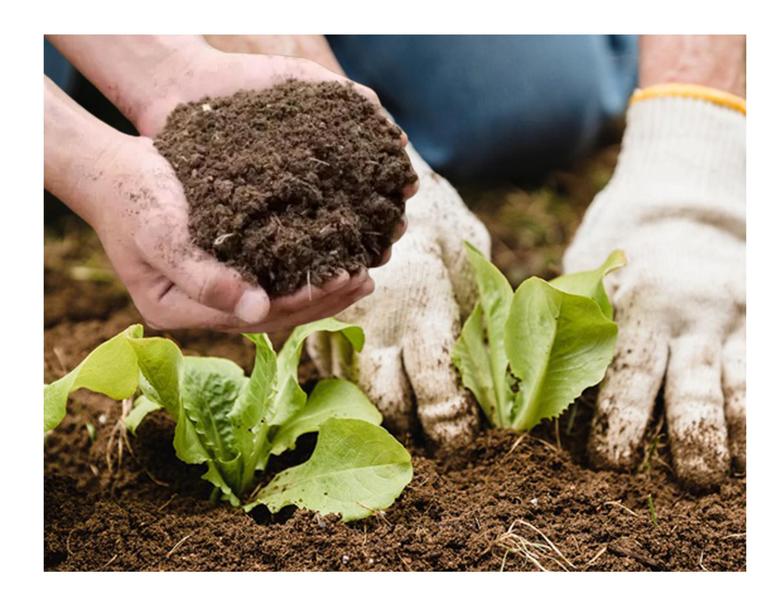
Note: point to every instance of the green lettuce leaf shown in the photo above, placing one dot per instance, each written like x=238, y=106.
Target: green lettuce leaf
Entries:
x=209, y=429
x=111, y=369
x=591, y=283
x=472, y=360
x=160, y=363
x=142, y=407
x=357, y=468
x=527, y=355
x=558, y=345
x=287, y=397
x=332, y=398
x=232, y=424
x=256, y=403
x=480, y=355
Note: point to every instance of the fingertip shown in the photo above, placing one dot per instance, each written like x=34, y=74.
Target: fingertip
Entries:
x=400, y=229
x=367, y=288
x=410, y=189
x=253, y=306
x=385, y=258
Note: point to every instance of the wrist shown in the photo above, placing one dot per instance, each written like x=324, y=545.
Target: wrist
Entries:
x=170, y=82
x=138, y=74
x=76, y=148
x=716, y=61
x=683, y=152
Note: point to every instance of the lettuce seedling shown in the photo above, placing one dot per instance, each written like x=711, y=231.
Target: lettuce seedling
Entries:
x=527, y=355
x=233, y=424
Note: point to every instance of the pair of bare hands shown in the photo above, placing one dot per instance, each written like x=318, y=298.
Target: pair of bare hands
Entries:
x=139, y=211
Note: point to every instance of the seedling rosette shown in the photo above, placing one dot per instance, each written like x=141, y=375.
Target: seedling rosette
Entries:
x=233, y=424
x=527, y=355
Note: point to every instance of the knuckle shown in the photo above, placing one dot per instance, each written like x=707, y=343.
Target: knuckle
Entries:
x=218, y=291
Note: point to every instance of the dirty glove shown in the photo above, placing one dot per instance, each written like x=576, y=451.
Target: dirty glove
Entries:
x=676, y=206
x=413, y=319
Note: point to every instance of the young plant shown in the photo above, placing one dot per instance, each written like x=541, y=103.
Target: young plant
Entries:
x=233, y=424
x=527, y=355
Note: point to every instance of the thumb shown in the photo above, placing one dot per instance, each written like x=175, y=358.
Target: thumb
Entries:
x=215, y=285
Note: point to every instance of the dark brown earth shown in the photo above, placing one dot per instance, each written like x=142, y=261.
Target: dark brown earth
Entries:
x=291, y=184
x=474, y=511
x=493, y=506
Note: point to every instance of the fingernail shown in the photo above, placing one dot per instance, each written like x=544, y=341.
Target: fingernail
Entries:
x=253, y=306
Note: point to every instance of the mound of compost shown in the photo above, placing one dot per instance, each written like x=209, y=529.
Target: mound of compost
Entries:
x=291, y=184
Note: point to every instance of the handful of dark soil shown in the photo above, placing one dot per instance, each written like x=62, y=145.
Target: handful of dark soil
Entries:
x=290, y=184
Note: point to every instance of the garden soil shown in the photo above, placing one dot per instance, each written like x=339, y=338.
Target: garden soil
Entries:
x=292, y=184
x=513, y=502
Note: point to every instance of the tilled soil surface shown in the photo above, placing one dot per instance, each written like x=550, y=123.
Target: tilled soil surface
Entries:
x=292, y=184
x=509, y=502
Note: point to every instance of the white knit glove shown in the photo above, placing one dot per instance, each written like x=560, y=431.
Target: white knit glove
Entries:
x=413, y=318
x=676, y=206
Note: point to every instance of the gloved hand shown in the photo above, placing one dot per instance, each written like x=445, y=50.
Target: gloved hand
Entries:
x=412, y=320
x=676, y=206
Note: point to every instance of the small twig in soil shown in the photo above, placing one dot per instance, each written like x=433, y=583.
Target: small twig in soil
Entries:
x=316, y=160
x=58, y=354
x=403, y=562
x=621, y=506
x=177, y=545
x=165, y=504
x=620, y=550
x=516, y=443
x=152, y=477
x=534, y=551
x=546, y=443
x=110, y=561
x=702, y=555
x=734, y=536
x=379, y=514
x=596, y=557
x=119, y=433
x=503, y=560
x=557, y=426
x=310, y=186
x=310, y=289
x=68, y=542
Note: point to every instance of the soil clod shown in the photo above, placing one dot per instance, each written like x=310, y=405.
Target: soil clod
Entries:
x=298, y=179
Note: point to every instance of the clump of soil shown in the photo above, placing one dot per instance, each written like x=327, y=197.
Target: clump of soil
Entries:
x=508, y=502
x=291, y=184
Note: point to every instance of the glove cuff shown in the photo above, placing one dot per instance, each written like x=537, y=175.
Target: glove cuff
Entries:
x=688, y=90
x=685, y=151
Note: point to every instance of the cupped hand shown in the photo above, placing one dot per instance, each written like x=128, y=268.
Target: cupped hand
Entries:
x=173, y=283
x=142, y=221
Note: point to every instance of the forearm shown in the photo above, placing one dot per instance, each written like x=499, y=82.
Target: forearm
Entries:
x=133, y=71
x=76, y=145
x=312, y=47
x=717, y=61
